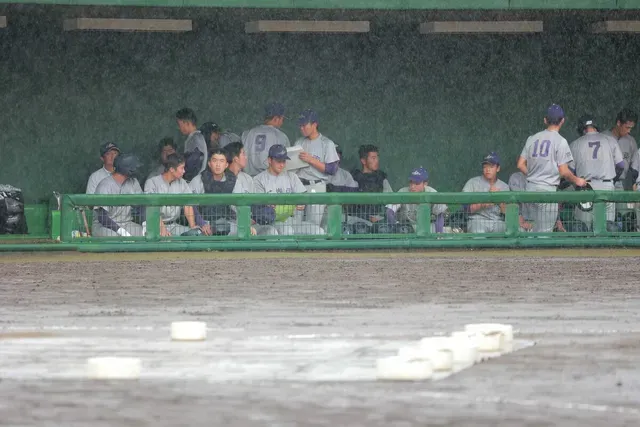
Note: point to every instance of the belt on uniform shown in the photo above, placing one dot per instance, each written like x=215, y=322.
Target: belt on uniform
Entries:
x=600, y=180
x=542, y=184
x=310, y=182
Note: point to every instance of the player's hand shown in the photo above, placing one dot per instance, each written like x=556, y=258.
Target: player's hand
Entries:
x=254, y=232
x=206, y=230
x=527, y=226
x=493, y=188
x=305, y=157
x=560, y=227
x=581, y=182
x=374, y=219
x=163, y=231
x=300, y=207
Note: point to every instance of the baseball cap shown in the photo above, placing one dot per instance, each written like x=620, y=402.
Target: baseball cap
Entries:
x=419, y=175
x=491, y=158
x=555, y=112
x=108, y=146
x=274, y=109
x=307, y=116
x=278, y=152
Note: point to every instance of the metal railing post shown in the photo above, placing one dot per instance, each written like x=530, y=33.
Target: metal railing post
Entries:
x=423, y=220
x=512, y=219
x=66, y=219
x=244, y=222
x=334, y=221
x=153, y=223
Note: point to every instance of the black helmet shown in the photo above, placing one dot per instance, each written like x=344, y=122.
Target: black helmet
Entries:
x=585, y=121
x=127, y=164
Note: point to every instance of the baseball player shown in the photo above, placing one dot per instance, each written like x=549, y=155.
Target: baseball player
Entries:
x=598, y=159
x=276, y=180
x=171, y=182
x=216, y=179
x=486, y=217
x=626, y=120
x=260, y=139
x=320, y=153
x=165, y=147
x=111, y=221
x=261, y=216
x=342, y=181
x=371, y=180
x=108, y=152
x=407, y=214
x=216, y=137
x=194, y=162
x=544, y=160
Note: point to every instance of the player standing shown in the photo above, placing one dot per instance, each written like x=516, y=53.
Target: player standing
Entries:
x=187, y=124
x=260, y=139
x=598, y=159
x=544, y=160
x=320, y=153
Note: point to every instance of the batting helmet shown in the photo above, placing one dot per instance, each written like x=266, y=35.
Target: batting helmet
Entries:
x=127, y=164
x=584, y=122
x=585, y=206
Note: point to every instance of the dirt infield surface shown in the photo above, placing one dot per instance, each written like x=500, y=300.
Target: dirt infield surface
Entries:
x=293, y=337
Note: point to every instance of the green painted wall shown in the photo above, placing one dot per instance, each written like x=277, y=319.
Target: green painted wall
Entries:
x=441, y=101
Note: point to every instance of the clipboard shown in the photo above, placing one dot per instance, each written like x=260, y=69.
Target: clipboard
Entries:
x=295, y=163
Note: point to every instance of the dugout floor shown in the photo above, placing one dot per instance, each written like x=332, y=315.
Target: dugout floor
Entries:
x=293, y=337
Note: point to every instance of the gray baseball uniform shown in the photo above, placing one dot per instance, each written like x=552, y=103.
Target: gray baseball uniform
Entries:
x=286, y=182
x=158, y=170
x=196, y=140
x=169, y=214
x=594, y=158
x=244, y=185
x=95, y=179
x=323, y=149
x=518, y=182
x=629, y=148
x=486, y=220
x=343, y=178
x=120, y=214
x=227, y=138
x=257, y=142
x=545, y=152
x=408, y=213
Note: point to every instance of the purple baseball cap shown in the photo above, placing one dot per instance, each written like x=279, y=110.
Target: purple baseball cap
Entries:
x=555, y=112
x=274, y=109
x=307, y=116
x=419, y=175
x=491, y=158
x=279, y=152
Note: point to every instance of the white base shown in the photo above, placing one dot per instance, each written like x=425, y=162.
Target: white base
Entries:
x=188, y=331
x=402, y=369
x=113, y=368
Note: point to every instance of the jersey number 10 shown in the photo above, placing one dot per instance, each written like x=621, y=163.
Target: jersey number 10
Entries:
x=541, y=149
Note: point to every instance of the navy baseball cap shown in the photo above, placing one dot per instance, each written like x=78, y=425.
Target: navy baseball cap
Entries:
x=419, y=175
x=491, y=158
x=278, y=152
x=274, y=109
x=307, y=116
x=555, y=112
x=108, y=146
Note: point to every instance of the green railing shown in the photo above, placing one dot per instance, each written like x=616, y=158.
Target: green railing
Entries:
x=334, y=237
x=423, y=237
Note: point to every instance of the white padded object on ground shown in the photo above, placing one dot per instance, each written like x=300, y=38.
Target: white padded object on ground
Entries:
x=113, y=368
x=403, y=369
x=436, y=350
x=492, y=336
x=507, y=330
x=465, y=349
x=188, y=331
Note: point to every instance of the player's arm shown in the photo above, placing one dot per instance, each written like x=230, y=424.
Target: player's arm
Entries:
x=566, y=173
x=522, y=165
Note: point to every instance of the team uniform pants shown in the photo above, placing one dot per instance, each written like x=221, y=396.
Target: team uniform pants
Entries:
x=484, y=225
x=544, y=215
x=293, y=225
x=313, y=213
x=587, y=217
x=133, y=228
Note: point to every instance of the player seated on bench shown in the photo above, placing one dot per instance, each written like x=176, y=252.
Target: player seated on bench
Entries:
x=118, y=220
x=278, y=181
x=171, y=182
x=407, y=214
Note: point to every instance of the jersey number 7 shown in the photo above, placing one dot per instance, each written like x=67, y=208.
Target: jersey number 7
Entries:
x=595, y=144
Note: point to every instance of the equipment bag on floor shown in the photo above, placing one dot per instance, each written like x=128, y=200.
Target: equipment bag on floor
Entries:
x=12, y=219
